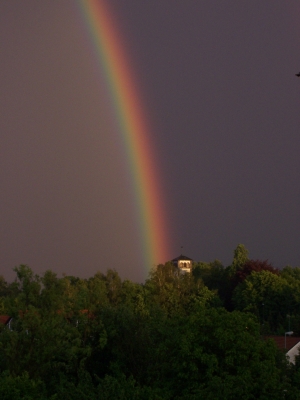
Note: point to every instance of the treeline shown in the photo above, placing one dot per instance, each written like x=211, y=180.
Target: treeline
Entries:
x=176, y=336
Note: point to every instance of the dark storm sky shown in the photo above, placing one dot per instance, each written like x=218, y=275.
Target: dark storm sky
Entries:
x=218, y=79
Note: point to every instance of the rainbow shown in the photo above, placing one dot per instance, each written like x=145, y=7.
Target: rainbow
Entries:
x=133, y=127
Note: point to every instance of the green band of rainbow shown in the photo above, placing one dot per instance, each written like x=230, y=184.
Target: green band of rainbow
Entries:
x=133, y=126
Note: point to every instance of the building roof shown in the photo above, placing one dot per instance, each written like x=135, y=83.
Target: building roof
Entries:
x=182, y=258
x=289, y=344
x=281, y=341
x=4, y=319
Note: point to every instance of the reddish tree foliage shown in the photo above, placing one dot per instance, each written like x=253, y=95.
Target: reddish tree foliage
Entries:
x=253, y=266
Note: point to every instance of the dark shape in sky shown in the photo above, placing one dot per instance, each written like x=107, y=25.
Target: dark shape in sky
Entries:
x=298, y=74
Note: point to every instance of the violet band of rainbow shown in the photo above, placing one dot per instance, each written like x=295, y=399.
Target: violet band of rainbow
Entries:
x=133, y=129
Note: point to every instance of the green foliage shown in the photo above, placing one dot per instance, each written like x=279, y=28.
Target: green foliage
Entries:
x=292, y=275
x=227, y=282
x=240, y=257
x=175, y=292
x=21, y=387
x=211, y=352
x=266, y=295
x=123, y=388
x=29, y=287
x=212, y=274
x=253, y=266
x=104, y=338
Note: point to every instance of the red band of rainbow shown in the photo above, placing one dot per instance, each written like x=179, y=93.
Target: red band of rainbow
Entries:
x=133, y=129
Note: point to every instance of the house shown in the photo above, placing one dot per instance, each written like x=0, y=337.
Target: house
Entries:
x=6, y=320
x=289, y=344
x=183, y=263
x=293, y=352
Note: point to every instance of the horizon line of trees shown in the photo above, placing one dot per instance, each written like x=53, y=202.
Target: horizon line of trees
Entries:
x=175, y=336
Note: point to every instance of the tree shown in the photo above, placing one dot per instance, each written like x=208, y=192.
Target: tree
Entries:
x=213, y=354
x=176, y=292
x=51, y=298
x=240, y=257
x=113, y=286
x=26, y=288
x=267, y=295
x=21, y=387
x=291, y=274
x=212, y=274
x=253, y=266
